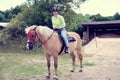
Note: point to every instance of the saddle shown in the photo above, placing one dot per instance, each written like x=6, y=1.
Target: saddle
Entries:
x=70, y=39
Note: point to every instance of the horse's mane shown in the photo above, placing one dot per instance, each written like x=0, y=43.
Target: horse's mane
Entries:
x=30, y=28
x=46, y=31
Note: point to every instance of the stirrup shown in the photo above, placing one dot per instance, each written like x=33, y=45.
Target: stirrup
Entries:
x=67, y=50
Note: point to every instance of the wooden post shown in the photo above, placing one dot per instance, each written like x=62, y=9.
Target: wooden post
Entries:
x=88, y=34
x=95, y=39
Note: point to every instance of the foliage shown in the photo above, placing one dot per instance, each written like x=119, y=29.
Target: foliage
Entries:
x=98, y=17
x=5, y=16
x=79, y=29
x=116, y=16
x=2, y=18
x=38, y=12
x=4, y=37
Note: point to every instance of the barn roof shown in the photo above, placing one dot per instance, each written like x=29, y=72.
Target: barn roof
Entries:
x=101, y=24
x=3, y=24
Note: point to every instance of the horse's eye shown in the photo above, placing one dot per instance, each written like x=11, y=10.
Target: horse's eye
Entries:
x=32, y=36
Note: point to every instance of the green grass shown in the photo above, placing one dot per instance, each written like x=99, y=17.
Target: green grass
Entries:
x=32, y=65
x=21, y=66
x=86, y=63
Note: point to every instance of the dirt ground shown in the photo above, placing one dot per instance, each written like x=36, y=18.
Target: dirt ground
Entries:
x=104, y=52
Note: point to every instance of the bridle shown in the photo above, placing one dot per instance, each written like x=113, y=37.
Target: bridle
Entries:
x=45, y=40
x=42, y=42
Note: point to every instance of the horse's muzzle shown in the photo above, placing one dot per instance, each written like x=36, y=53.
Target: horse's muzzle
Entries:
x=30, y=45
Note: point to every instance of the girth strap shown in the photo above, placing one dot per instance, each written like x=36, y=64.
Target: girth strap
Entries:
x=61, y=49
x=63, y=45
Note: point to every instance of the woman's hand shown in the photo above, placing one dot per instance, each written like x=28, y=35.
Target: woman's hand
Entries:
x=56, y=28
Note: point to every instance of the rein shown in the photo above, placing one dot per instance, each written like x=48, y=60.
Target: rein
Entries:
x=48, y=38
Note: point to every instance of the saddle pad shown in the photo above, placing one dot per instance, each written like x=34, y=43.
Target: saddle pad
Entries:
x=70, y=39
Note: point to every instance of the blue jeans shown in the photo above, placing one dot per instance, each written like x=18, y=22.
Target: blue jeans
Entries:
x=63, y=34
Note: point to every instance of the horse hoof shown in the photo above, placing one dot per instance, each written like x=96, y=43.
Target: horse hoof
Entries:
x=55, y=78
x=47, y=77
x=80, y=70
x=71, y=70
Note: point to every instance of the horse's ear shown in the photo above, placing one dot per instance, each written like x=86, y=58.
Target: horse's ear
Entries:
x=27, y=26
x=33, y=27
x=26, y=29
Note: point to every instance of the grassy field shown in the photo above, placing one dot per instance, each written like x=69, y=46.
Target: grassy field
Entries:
x=32, y=65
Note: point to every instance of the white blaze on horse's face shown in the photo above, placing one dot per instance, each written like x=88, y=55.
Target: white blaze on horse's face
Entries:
x=27, y=45
x=31, y=36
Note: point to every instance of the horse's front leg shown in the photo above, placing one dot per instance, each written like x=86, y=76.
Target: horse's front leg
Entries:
x=55, y=66
x=73, y=61
x=48, y=65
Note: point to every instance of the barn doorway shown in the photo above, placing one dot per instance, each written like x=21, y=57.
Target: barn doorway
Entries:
x=102, y=29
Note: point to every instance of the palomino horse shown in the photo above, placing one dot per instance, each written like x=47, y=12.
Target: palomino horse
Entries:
x=51, y=45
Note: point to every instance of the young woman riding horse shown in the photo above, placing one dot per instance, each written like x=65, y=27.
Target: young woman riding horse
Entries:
x=58, y=24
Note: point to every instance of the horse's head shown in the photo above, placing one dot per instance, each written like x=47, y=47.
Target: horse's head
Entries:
x=31, y=37
x=37, y=33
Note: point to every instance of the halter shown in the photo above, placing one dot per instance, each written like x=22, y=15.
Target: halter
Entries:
x=48, y=37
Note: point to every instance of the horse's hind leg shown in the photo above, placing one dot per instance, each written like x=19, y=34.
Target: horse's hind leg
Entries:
x=73, y=61
x=80, y=57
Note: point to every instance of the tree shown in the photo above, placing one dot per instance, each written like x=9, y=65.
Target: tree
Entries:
x=2, y=18
x=98, y=17
x=116, y=16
